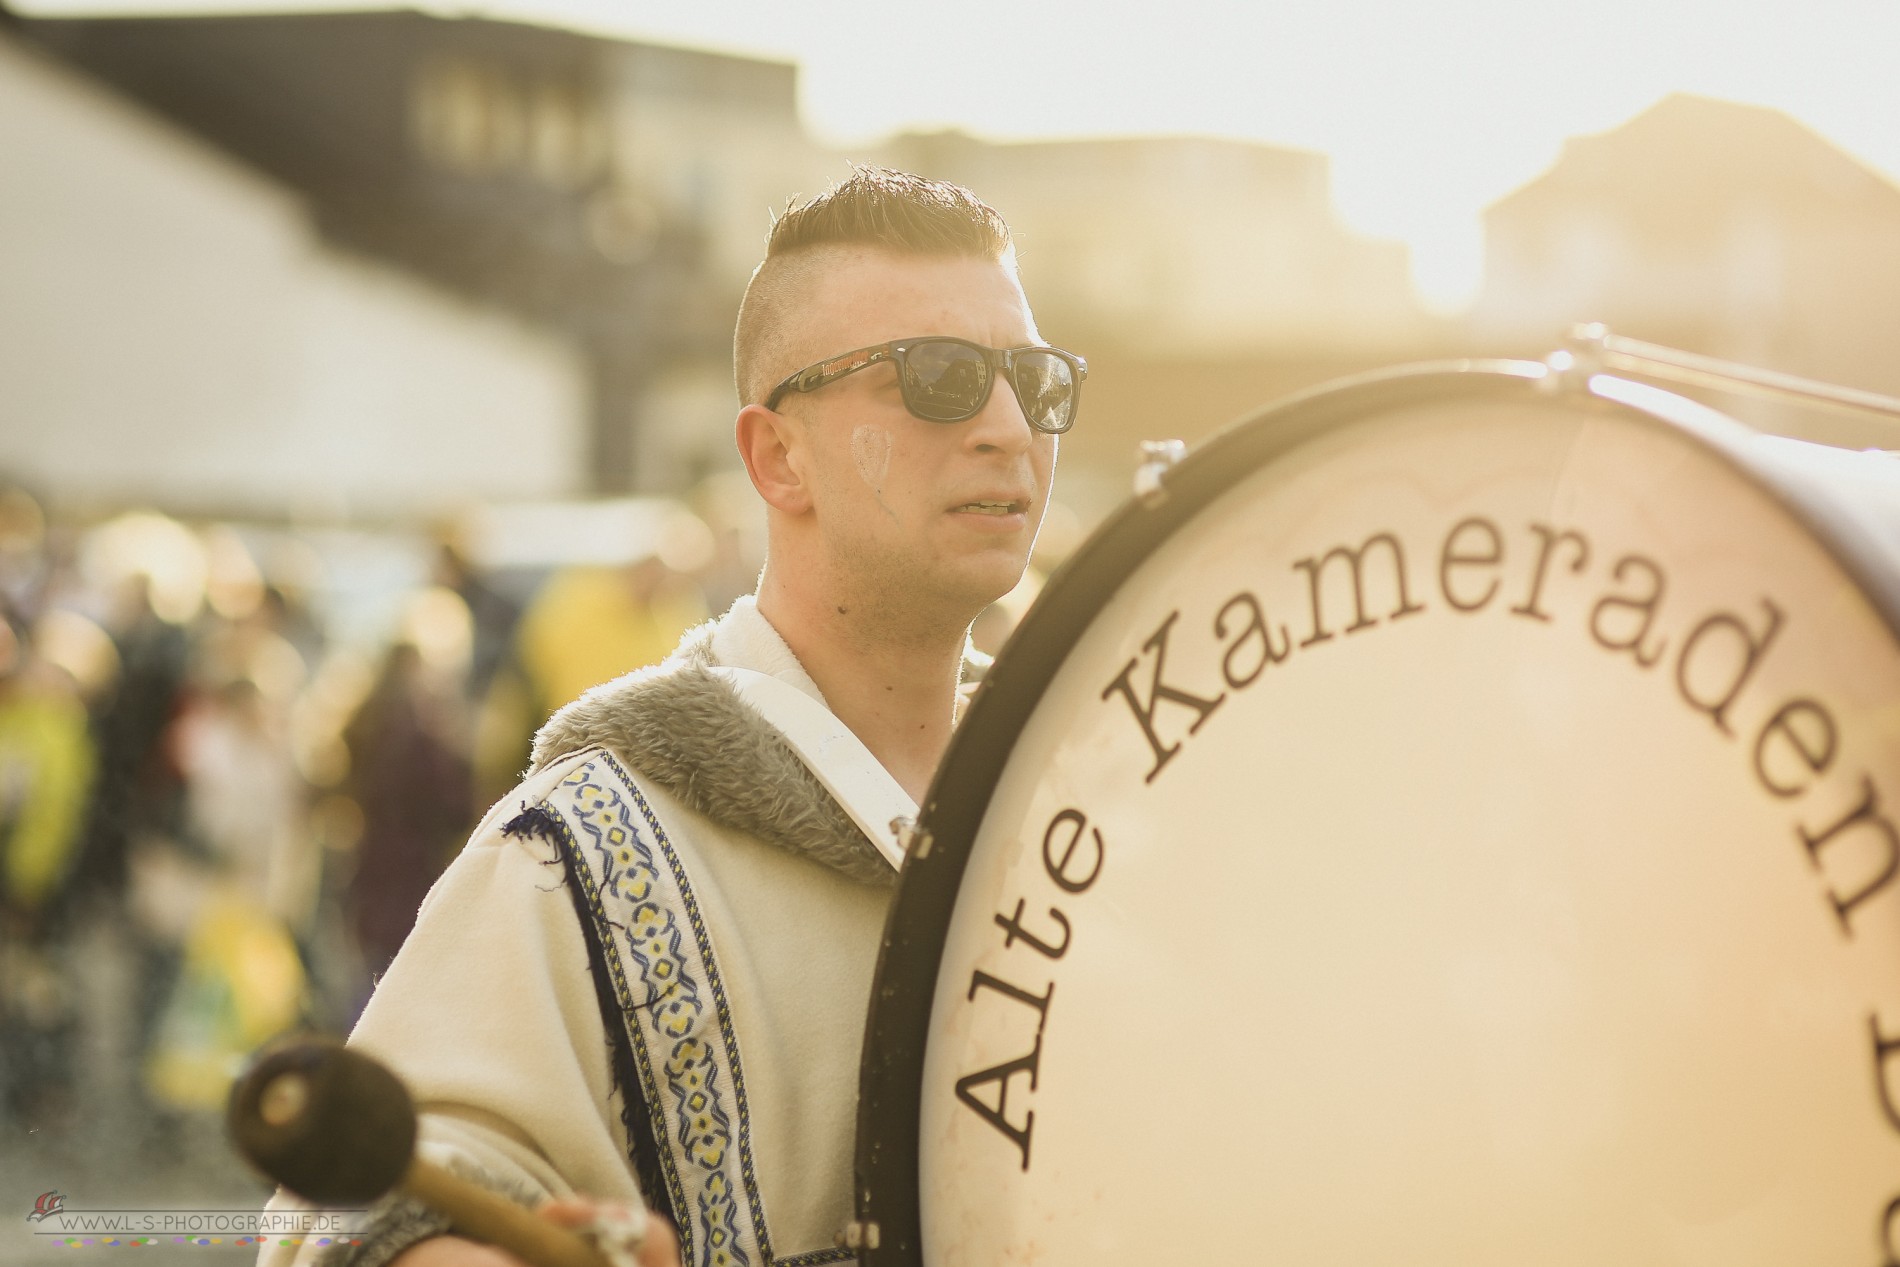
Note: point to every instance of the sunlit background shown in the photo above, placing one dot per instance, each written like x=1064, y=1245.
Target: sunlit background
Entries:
x=1428, y=113
x=365, y=387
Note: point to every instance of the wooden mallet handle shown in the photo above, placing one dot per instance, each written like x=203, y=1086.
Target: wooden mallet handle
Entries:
x=339, y=1129
x=483, y=1215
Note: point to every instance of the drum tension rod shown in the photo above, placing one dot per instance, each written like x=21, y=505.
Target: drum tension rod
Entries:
x=912, y=840
x=1158, y=457
x=858, y=1234
x=1591, y=347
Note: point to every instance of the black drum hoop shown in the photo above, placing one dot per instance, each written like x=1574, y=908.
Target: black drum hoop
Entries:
x=890, y=1094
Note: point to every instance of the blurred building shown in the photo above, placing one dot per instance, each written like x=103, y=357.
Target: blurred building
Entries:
x=1202, y=277
x=173, y=330
x=1188, y=244
x=614, y=193
x=1725, y=229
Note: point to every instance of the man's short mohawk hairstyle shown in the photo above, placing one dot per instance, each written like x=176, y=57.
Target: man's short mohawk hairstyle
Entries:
x=899, y=211
x=874, y=207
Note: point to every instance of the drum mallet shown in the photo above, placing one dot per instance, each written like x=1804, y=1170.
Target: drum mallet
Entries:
x=339, y=1129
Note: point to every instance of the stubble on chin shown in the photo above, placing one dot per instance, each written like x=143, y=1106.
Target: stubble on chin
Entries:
x=900, y=597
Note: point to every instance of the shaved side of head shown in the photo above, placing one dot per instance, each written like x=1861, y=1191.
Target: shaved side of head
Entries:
x=766, y=344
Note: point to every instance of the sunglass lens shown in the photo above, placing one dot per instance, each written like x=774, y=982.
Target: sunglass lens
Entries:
x=944, y=381
x=1045, y=387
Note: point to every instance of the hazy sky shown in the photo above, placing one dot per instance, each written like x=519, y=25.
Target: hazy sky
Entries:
x=1429, y=111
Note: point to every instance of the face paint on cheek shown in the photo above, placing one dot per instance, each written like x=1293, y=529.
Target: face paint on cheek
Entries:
x=871, y=454
x=871, y=450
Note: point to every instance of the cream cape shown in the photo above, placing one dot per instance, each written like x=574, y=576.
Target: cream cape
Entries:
x=669, y=905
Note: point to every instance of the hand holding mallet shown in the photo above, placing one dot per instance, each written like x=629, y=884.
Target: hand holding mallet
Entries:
x=339, y=1129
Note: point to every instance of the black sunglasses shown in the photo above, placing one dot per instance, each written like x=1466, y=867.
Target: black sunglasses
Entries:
x=948, y=380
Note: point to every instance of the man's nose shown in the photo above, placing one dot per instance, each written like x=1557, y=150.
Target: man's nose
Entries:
x=1000, y=426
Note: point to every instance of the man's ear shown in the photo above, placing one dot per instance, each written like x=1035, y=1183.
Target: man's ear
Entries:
x=770, y=445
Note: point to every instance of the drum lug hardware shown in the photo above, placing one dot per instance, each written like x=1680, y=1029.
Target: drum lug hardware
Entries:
x=858, y=1234
x=1157, y=458
x=911, y=838
x=1593, y=348
x=1579, y=360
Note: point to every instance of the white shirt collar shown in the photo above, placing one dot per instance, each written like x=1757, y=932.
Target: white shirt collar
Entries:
x=744, y=639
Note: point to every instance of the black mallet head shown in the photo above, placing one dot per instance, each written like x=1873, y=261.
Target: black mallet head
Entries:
x=328, y=1123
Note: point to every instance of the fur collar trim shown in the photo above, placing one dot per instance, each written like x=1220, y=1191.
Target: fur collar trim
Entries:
x=685, y=728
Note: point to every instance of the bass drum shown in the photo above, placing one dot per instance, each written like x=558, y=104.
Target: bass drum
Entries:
x=1453, y=823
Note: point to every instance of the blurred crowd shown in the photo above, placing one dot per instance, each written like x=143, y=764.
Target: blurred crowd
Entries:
x=234, y=757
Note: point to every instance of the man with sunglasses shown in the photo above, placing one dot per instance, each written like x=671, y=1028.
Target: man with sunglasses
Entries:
x=645, y=980
x=901, y=423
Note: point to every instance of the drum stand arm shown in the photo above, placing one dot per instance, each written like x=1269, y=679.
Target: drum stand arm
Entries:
x=1592, y=347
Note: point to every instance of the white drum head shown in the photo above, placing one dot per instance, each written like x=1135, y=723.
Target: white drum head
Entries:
x=1534, y=903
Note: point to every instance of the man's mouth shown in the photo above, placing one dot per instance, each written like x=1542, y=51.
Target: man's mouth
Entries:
x=994, y=508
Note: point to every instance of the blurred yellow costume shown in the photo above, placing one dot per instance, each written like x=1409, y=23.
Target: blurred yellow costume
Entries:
x=587, y=625
x=46, y=768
